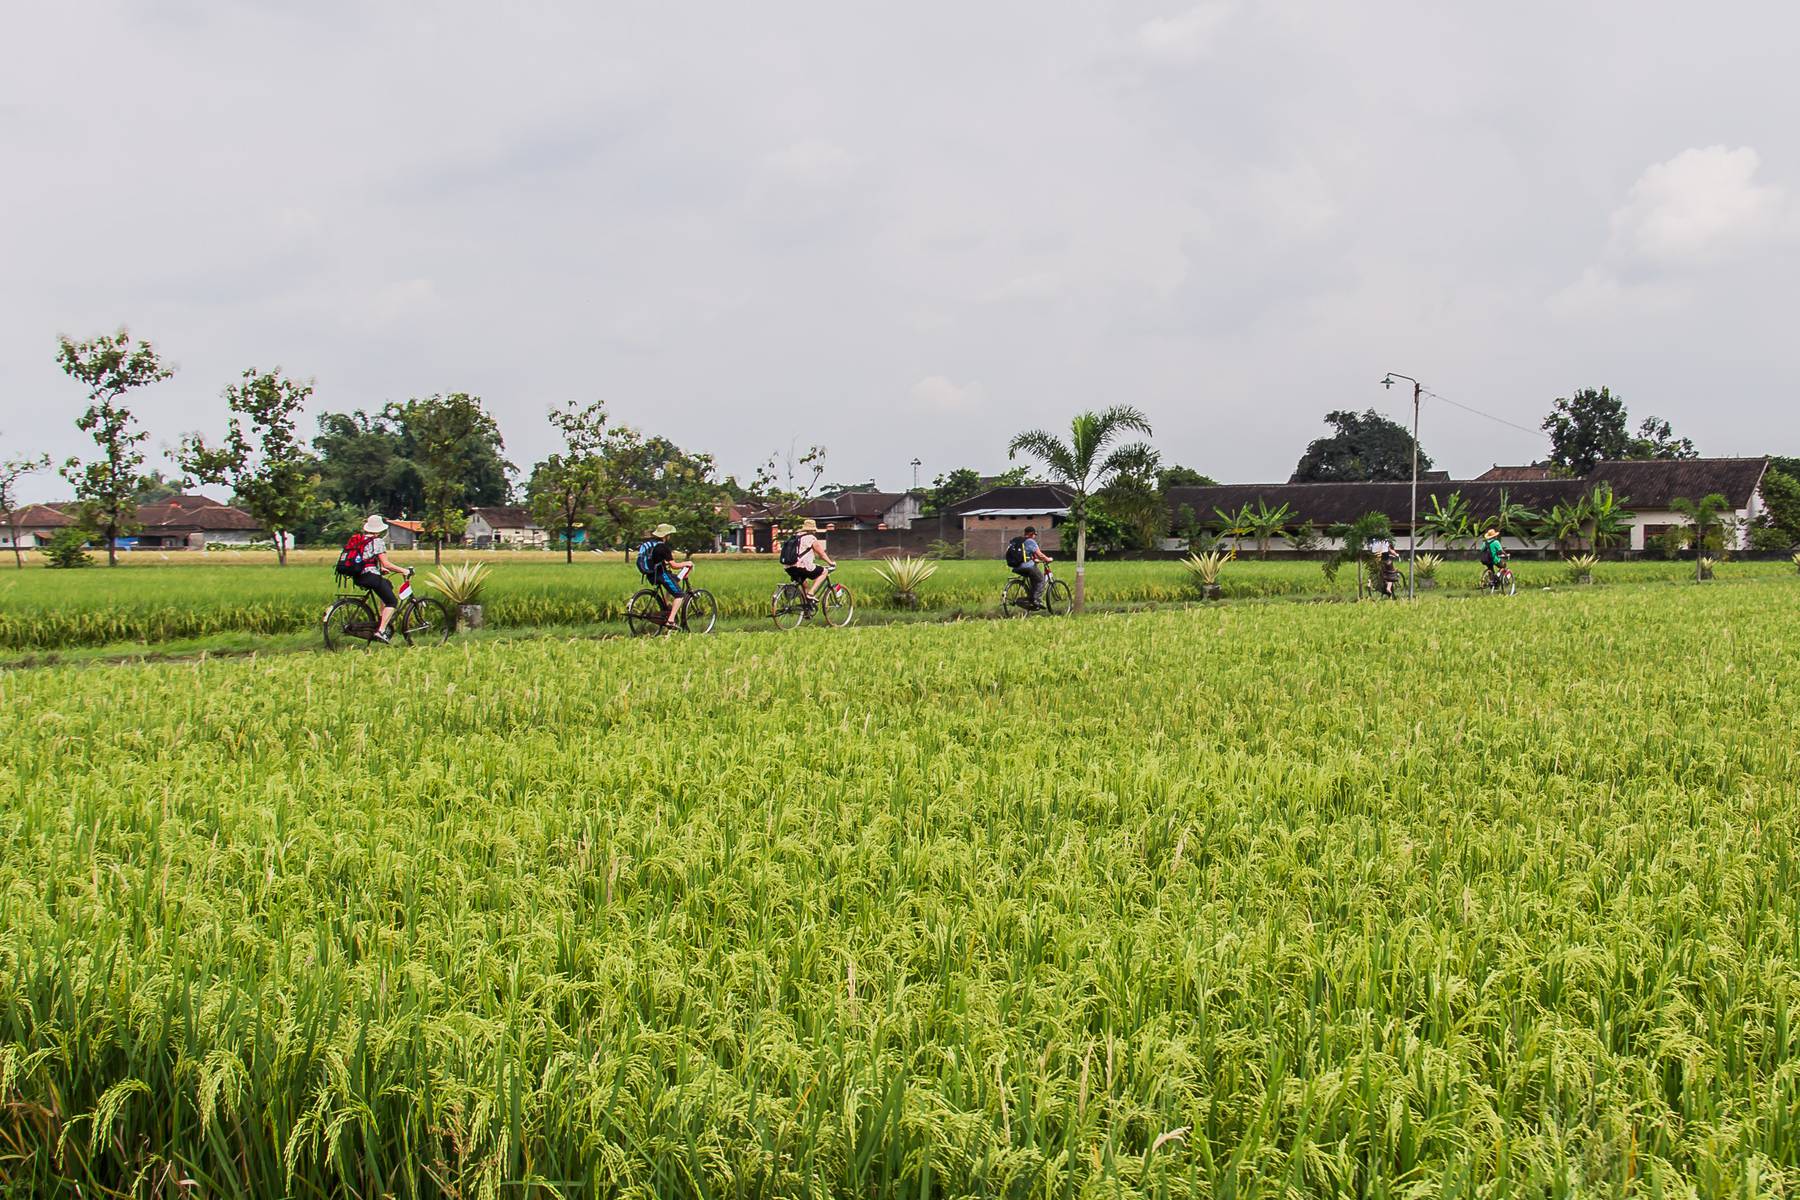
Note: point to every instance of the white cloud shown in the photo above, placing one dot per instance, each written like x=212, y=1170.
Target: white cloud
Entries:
x=1698, y=207
x=1600, y=293
x=1186, y=36
x=939, y=394
x=812, y=163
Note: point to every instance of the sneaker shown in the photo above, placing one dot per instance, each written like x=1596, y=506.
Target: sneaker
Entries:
x=386, y=639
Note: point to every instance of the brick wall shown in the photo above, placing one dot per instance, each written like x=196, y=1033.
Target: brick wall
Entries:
x=987, y=536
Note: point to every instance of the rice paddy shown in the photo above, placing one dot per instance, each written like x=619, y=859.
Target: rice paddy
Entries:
x=1487, y=898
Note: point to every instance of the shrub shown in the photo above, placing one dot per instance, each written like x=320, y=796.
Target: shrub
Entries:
x=904, y=577
x=945, y=549
x=68, y=549
x=1203, y=570
x=460, y=583
x=1426, y=566
x=1581, y=567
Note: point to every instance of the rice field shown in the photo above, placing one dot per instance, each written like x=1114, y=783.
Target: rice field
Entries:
x=192, y=598
x=1477, y=899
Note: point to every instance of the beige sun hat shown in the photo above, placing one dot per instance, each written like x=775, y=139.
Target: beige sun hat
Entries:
x=809, y=526
x=375, y=524
x=663, y=530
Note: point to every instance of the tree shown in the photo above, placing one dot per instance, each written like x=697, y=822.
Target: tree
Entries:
x=1779, y=526
x=109, y=366
x=1590, y=427
x=1353, y=542
x=1169, y=477
x=456, y=446
x=564, y=487
x=1706, y=525
x=1135, y=502
x=784, y=483
x=1564, y=522
x=363, y=462
x=1235, y=525
x=1083, y=465
x=1267, y=523
x=1451, y=522
x=1655, y=439
x=1609, y=522
x=270, y=474
x=953, y=487
x=1514, y=520
x=154, y=488
x=1365, y=447
x=10, y=473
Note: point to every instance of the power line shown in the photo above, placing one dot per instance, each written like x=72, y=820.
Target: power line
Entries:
x=1490, y=416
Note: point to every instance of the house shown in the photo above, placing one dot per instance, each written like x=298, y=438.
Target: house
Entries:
x=1646, y=489
x=864, y=510
x=193, y=522
x=36, y=525
x=405, y=535
x=992, y=518
x=503, y=525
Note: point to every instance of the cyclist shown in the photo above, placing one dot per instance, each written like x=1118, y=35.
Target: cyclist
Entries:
x=807, y=550
x=1388, y=559
x=1492, y=556
x=365, y=556
x=654, y=557
x=1027, y=559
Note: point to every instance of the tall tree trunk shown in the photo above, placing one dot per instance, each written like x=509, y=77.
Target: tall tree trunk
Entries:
x=569, y=544
x=280, y=548
x=112, y=545
x=1081, y=565
x=437, y=551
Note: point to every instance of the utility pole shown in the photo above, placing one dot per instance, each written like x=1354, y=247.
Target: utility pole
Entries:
x=1412, y=530
x=915, y=466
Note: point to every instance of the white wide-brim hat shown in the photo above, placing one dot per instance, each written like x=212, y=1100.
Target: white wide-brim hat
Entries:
x=374, y=525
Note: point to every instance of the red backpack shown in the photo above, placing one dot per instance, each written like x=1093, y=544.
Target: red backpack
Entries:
x=351, y=562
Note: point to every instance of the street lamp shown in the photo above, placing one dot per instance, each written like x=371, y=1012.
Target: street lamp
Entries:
x=915, y=466
x=1412, y=531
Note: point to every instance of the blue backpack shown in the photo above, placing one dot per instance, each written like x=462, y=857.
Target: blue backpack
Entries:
x=643, y=557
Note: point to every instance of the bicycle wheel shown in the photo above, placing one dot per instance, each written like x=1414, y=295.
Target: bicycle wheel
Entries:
x=1508, y=585
x=348, y=621
x=426, y=621
x=700, y=613
x=644, y=613
x=1058, y=600
x=839, y=606
x=1013, y=597
x=788, y=606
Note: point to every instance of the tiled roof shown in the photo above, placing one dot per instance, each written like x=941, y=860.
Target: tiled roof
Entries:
x=505, y=516
x=41, y=516
x=1498, y=474
x=194, y=513
x=1037, y=497
x=1658, y=482
x=851, y=504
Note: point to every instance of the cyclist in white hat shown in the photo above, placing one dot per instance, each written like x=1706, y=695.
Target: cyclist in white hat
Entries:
x=365, y=563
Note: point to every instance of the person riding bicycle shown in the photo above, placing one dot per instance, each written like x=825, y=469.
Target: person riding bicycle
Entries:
x=1027, y=559
x=366, y=555
x=1492, y=556
x=1388, y=570
x=654, y=559
x=808, y=552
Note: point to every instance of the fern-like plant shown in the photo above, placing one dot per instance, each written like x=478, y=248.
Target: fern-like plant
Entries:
x=460, y=584
x=904, y=577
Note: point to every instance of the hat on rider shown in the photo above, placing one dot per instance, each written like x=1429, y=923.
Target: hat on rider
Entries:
x=375, y=524
x=809, y=526
x=1491, y=533
x=663, y=530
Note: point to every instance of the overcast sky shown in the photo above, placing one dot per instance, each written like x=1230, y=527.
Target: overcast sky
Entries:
x=913, y=230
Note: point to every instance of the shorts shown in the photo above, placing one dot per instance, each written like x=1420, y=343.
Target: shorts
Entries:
x=665, y=579
x=801, y=574
x=372, y=581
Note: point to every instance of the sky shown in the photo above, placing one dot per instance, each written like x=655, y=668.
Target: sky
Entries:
x=911, y=231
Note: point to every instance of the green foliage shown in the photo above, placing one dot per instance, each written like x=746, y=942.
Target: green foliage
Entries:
x=109, y=366
x=1134, y=501
x=11, y=471
x=1705, y=532
x=1451, y=522
x=1365, y=446
x=953, y=487
x=904, y=577
x=1426, y=566
x=1204, y=569
x=942, y=548
x=565, y=487
x=270, y=474
x=1780, y=523
x=1609, y=522
x=68, y=548
x=1177, y=476
x=1581, y=567
x=460, y=583
x=1353, y=540
x=456, y=447
x=1085, y=464
x=1591, y=426
x=382, y=462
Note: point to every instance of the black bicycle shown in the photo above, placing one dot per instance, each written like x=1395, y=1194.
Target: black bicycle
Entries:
x=419, y=620
x=1015, y=597
x=647, y=612
x=791, y=607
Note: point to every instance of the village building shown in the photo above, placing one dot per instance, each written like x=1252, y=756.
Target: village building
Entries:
x=993, y=518
x=508, y=525
x=36, y=525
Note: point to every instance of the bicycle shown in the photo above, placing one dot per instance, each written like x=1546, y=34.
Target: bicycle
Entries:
x=1015, y=597
x=419, y=620
x=1499, y=580
x=647, y=612
x=790, y=606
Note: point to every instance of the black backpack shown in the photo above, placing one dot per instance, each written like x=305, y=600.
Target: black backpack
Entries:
x=790, y=551
x=1015, y=553
x=350, y=563
x=643, y=557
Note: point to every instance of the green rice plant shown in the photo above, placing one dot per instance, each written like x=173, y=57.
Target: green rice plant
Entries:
x=904, y=577
x=460, y=583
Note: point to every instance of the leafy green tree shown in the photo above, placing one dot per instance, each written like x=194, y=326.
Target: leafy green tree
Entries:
x=1514, y=520
x=1135, y=502
x=1779, y=526
x=1084, y=466
x=1235, y=525
x=1564, y=523
x=68, y=549
x=564, y=487
x=1706, y=525
x=1609, y=521
x=11, y=471
x=1590, y=427
x=1178, y=476
x=1268, y=523
x=1365, y=447
x=363, y=462
x=109, y=366
x=953, y=487
x=155, y=487
x=456, y=445
x=1353, y=540
x=267, y=468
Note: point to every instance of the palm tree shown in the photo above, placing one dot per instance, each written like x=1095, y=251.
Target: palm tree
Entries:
x=1083, y=466
x=1706, y=517
x=1235, y=526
